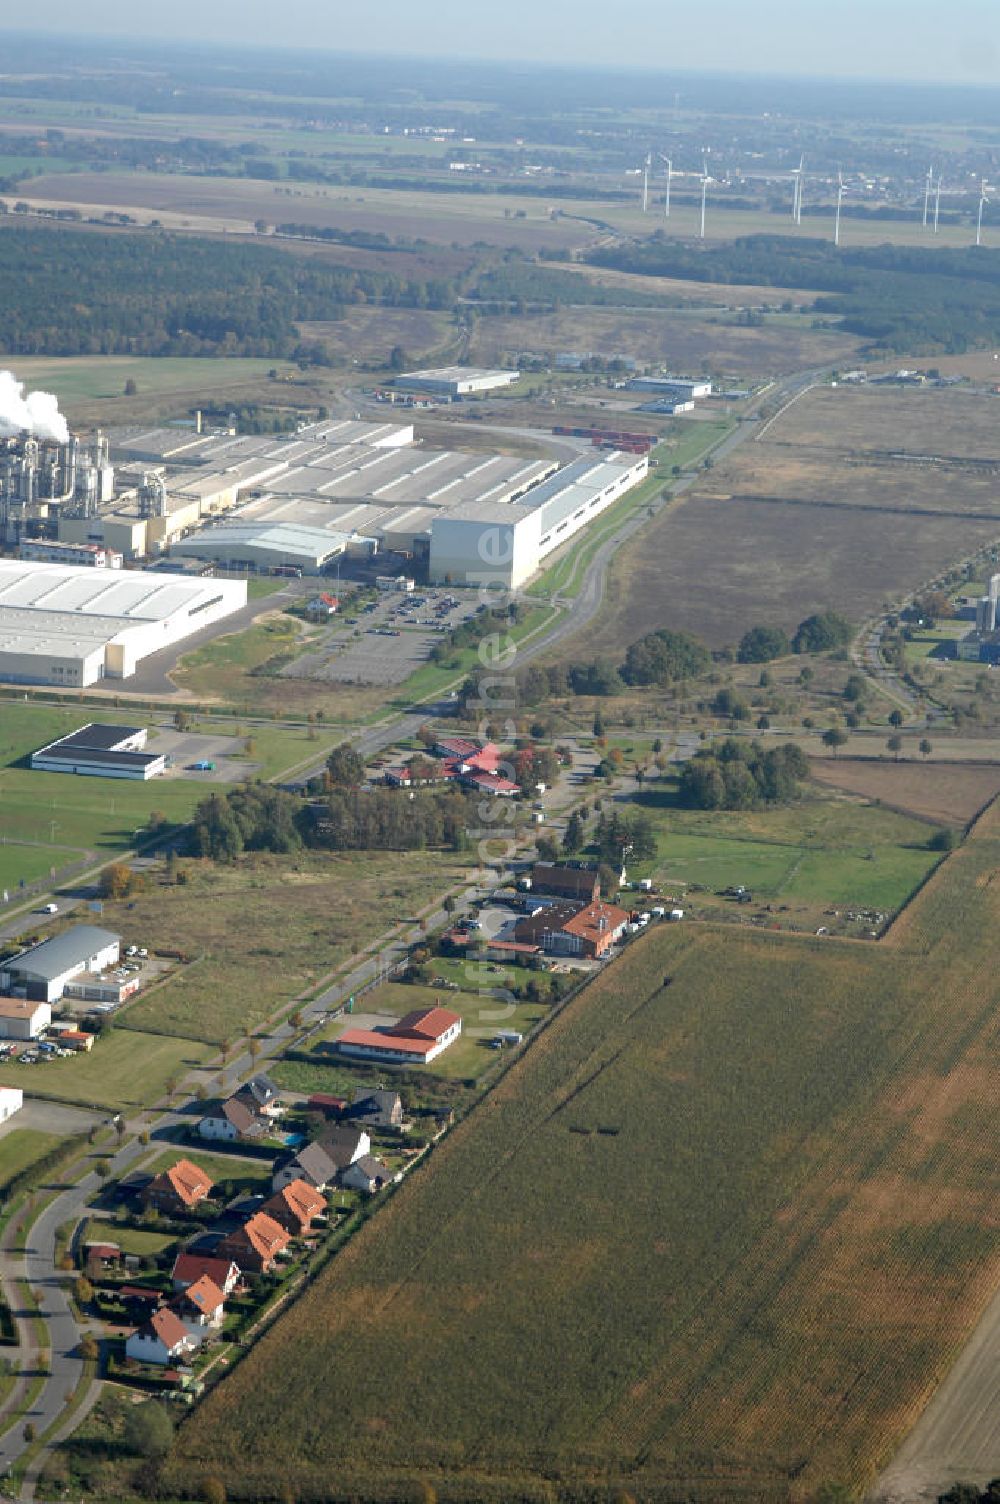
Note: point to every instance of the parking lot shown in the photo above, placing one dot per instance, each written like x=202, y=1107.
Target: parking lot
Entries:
x=391, y=639
x=183, y=748
x=52, y=1117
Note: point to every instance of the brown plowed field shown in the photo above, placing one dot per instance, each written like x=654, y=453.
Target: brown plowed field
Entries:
x=955, y=792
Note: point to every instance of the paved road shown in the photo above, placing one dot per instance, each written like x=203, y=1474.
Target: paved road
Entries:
x=957, y=1439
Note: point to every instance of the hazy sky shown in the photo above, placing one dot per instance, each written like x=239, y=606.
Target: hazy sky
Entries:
x=947, y=40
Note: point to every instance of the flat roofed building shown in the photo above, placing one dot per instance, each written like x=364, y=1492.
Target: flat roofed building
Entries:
x=455, y=381
x=87, y=555
x=261, y=547
x=684, y=386
x=41, y=973
x=102, y=751
x=73, y=627
x=23, y=1018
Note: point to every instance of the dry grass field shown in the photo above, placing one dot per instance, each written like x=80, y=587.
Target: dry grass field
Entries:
x=715, y=293
x=683, y=338
x=369, y=334
x=831, y=478
x=771, y=562
x=817, y=514
x=263, y=931
x=946, y=423
x=715, y=1237
x=955, y=792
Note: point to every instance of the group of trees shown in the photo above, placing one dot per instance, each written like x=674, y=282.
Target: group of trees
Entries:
x=663, y=658
x=260, y=817
x=742, y=775
x=251, y=817
x=142, y=293
x=823, y=632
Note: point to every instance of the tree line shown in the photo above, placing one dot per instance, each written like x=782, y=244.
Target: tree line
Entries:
x=902, y=298
x=261, y=817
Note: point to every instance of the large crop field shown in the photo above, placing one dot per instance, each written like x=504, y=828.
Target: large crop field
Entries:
x=714, y=1237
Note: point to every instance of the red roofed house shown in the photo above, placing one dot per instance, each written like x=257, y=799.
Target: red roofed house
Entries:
x=178, y=1189
x=255, y=1246
x=456, y=746
x=201, y=1304
x=163, y=1339
x=416, y=1039
x=189, y=1267
x=569, y=929
x=295, y=1206
x=477, y=767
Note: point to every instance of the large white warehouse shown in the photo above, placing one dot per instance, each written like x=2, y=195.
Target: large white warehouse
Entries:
x=75, y=626
x=503, y=544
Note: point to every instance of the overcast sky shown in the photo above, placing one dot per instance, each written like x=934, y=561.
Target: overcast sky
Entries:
x=947, y=40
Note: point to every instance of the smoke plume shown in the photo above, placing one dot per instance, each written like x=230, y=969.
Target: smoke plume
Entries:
x=36, y=412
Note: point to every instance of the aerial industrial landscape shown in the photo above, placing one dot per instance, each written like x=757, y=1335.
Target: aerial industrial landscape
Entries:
x=499, y=758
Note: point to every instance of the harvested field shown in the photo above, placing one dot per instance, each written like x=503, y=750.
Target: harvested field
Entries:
x=771, y=562
x=912, y=420
x=953, y=792
x=789, y=1145
x=235, y=203
x=688, y=340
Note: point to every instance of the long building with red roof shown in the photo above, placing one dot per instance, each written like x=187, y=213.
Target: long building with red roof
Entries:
x=416, y=1039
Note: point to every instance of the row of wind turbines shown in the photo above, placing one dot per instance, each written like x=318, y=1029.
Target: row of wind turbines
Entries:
x=932, y=190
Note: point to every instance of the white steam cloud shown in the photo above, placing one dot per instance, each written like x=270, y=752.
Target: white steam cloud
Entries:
x=36, y=412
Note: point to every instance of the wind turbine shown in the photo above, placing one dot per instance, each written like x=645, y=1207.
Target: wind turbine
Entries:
x=937, y=205
x=670, y=173
x=840, y=200
x=797, y=191
x=705, y=180
x=983, y=200
x=927, y=191
x=645, y=180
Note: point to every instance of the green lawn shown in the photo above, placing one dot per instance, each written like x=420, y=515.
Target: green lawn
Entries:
x=937, y=643
x=208, y=669
x=94, y=814
x=85, y=376
x=817, y=851
x=122, y=1070
x=137, y=1240
x=20, y=1148
x=26, y=863
x=219, y=1166
x=24, y=726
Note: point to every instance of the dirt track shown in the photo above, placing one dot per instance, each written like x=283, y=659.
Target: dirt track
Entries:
x=957, y=1439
